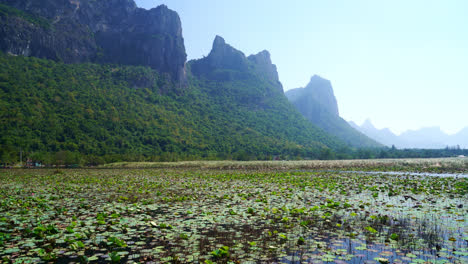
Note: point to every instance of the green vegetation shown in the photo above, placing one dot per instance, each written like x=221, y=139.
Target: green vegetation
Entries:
x=338, y=127
x=10, y=11
x=185, y=216
x=90, y=114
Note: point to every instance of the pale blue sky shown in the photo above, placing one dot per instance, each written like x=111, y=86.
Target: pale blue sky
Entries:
x=401, y=63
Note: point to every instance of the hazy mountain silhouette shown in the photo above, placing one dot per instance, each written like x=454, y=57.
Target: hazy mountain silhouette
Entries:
x=427, y=137
x=318, y=104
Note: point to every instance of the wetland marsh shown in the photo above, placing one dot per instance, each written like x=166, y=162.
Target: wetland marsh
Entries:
x=194, y=215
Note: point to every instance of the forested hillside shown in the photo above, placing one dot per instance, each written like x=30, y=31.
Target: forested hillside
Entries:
x=90, y=113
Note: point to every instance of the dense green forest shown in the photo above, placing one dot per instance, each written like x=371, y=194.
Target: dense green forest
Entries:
x=89, y=114
x=59, y=113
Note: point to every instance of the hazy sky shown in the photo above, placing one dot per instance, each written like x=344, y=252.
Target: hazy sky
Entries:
x=401, y=63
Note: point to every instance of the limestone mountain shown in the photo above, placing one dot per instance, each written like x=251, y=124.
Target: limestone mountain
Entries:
x=318, y=104
x=91, y=80
x=319, y=91
x=266, y=69
x=105, y=31
x=222, y=57
x=249, y=88
x=227, y=64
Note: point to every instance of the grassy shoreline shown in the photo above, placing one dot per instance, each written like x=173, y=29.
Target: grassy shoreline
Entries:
x=446, y=165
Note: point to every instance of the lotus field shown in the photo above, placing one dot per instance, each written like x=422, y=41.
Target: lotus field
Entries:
x=183, y=215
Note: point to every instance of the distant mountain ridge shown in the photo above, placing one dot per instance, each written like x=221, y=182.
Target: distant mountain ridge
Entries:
x=318, y=104
x=427, y=138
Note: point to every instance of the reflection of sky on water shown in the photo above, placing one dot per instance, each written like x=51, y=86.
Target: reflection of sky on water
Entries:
x=431, y=229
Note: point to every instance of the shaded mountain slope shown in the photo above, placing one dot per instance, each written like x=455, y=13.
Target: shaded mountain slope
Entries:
x=318, y=104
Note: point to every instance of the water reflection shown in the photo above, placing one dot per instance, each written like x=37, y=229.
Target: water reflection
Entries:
x=409, y=228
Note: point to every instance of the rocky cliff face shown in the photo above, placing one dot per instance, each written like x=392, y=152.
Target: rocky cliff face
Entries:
x=264, y=66
x=318, y=91
x=223, y=56
x=104, y=31
x=225, y=63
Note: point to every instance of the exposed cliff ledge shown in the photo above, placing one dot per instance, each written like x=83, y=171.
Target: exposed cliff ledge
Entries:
x=104, y=31
x=264, y=66
x=225, y=63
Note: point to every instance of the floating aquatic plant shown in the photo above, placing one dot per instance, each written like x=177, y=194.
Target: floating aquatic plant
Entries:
x=185, y=215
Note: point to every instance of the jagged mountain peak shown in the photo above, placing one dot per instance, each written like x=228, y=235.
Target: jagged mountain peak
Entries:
x=263, y=64
x=225, y=63
x=321, y=90
x=220, y=46
x=318, y=91
x=218, y=42
x=263, y=57
x=317, y=79
x=317, y=82
x=163, y=6
x=224, y=56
